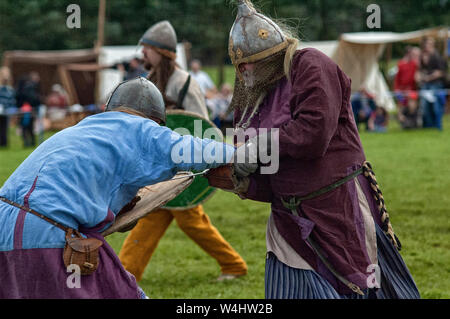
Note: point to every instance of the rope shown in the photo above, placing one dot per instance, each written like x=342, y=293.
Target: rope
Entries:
x=420, y=92
x=378, y=195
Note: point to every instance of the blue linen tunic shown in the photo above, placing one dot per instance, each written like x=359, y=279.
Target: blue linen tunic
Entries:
x=82, y=176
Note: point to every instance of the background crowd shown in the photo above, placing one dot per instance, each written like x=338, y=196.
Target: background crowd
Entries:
x=420, y=89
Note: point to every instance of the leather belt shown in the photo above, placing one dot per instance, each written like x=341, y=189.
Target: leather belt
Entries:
x=294, y=202
x=31, y=211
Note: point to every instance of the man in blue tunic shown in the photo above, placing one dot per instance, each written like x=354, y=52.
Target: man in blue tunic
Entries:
x=79, y=179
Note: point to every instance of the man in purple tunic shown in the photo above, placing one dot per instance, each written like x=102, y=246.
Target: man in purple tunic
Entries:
x=327, y=235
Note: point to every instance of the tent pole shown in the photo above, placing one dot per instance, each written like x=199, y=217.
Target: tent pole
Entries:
x=101, y=24
x=99, y=43
x=68, y=84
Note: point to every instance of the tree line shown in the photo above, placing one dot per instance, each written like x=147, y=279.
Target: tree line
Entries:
x=41, y=24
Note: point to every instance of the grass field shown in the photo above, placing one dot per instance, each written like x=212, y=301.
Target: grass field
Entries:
x=413, y=169
x=229, y=74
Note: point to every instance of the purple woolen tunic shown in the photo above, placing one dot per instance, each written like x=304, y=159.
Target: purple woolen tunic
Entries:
x=319, y=144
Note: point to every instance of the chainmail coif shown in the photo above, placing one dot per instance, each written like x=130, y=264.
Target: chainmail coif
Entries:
x=267, y=72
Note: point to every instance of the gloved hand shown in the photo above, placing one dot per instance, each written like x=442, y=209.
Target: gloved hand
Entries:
x=126, y=209
x=224, y=178
x=245, y=159
x=240, y=185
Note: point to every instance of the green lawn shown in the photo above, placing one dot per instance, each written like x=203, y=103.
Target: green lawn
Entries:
x=413, y=169
x=229, y=74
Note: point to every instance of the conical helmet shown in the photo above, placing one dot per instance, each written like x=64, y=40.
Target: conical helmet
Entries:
x=253, y=36
x=138, y=94
x=161, y=35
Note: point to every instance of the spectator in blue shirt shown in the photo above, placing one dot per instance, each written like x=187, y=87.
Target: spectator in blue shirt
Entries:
x=7, y=103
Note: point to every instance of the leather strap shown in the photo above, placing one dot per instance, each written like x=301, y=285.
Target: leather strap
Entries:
x=295, y=201
x=35, y=213
x=183, y=93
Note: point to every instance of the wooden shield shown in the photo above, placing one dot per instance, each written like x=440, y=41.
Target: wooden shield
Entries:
x=200, y=190
x=152, y=197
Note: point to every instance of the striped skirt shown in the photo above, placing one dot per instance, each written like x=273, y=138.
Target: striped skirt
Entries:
x=284, y=282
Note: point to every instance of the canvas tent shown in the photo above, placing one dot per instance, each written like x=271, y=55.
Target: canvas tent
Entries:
x=357, y=54
x=84, y=74
x=70, y=68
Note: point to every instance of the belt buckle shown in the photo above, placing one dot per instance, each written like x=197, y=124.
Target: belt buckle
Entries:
x=292, y=205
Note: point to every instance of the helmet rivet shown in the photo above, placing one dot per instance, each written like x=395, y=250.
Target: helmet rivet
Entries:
x=239, y=53
x=263, y=34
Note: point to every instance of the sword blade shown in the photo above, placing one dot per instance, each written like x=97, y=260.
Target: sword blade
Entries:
x=191, y=175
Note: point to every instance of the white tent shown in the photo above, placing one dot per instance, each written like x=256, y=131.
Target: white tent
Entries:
x=357, y=54
x=110, y=55
x=360, y=64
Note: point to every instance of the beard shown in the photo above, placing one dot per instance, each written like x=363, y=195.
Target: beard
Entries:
x=249, y=78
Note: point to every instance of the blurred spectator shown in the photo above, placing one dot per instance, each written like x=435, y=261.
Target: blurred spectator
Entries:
x=57, y=97
x=363, y=105
x=405, y=87
x=431, y=79
x=378, y=120
x=93, y=108
x=134, y=69
x=410, y=116
x=219, y=105
x=7, y=102
x=28, y=90
x=28, y=100
x=407, y=68
x=202, y=78
x=26, y=124
x=57, y=103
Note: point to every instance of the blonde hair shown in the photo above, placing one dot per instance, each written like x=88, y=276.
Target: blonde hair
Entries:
x=289, y=33
x=290, y=51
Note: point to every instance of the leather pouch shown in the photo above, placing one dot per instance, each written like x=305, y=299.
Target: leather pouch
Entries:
x=81, y=251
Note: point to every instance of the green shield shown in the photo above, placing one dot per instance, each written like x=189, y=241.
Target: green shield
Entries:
x=199, y=191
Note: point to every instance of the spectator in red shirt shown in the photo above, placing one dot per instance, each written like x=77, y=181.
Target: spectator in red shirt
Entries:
x=57, y=97
x=407, y=67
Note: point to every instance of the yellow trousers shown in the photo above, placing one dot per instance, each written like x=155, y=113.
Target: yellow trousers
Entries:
x=140, y=244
